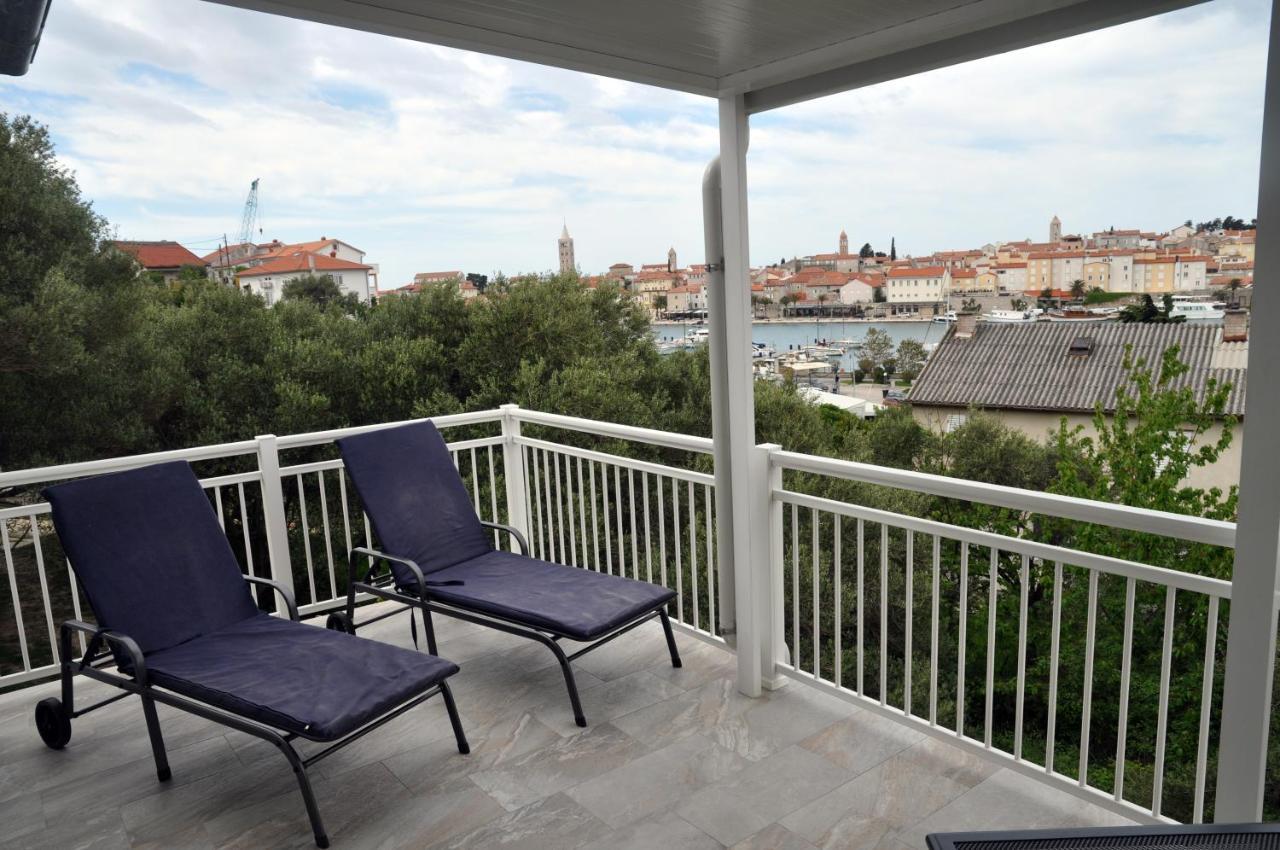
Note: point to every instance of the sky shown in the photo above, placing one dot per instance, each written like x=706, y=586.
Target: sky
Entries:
x=429, y=158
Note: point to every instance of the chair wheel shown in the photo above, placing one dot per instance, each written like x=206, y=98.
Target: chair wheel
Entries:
x=53, y=723
x=339, y=623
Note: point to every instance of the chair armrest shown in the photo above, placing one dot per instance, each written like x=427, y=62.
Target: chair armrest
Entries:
x=97, y=637
x=289, y=602
x=511, y=530
x=375, y=555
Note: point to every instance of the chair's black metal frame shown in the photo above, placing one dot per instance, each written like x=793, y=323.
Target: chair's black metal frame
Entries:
x=383, y=586
x=54, y=716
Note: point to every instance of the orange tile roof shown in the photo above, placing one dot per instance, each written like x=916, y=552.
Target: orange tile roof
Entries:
x=302, y=262
x=964, y=273
x=160, y=255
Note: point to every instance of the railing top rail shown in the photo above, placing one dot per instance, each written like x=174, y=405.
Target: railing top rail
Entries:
x=618, y=460
x=1179, y=526
x=452, y=420
x=63, y=471
x=668, y=439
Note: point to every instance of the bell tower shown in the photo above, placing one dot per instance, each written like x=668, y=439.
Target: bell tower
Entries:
x=565, y=244
x=844, y=244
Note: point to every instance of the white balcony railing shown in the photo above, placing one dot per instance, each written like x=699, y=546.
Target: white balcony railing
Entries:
x=906, y=615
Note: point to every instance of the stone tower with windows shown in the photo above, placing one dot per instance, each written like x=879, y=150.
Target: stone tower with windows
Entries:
x=844, y=244
x=1055, y=229
x=565, y=243
x=672, y=265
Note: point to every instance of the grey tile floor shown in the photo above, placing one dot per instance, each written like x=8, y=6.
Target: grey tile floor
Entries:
x=672, y=759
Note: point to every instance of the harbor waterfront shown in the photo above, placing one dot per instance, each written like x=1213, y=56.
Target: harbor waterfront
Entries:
x=784, y=336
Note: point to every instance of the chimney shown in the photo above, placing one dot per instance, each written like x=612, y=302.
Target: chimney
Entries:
x=966, y=324
x=1235, y=325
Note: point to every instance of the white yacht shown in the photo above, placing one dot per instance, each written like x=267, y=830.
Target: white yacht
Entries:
x=1010, y=316
x=946, y=318
x=1196, y=307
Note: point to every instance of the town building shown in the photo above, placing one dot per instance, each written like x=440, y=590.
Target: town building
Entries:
x=164, y=258
x=565, y=247
x=917, y=287
x=1034, y=376
x=269, y=278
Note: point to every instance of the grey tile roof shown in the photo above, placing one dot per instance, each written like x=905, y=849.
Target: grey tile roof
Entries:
x=1027, y=367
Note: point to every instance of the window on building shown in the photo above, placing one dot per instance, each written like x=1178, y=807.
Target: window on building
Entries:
x=956, y=421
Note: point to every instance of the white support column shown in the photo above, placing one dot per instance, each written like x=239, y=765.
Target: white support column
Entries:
x=732, y=401
x=513, y=472
x=1251, y=637
x=273, y=515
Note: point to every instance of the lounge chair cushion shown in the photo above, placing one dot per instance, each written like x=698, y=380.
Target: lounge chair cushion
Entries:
x=574, y=602
x=414, y=497
x=150, y=556
x=300, y=678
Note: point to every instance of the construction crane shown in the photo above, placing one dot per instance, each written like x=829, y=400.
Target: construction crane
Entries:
x=250, y=214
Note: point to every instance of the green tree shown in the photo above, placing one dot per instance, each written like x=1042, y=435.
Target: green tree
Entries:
x=866, y=251
x=1077, y=289
x=911, y=357
x=320, y=289
x=876, y=348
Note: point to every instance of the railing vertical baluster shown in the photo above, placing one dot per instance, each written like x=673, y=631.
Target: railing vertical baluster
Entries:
x=1086, y=702
x=635, y=542
x=862, y=553
x=617, y=514
x=217, y=503
x=493, y=498
x=814, y=527
x=648, y=529
x=306, y=537
x=908, y=616
x=662, y=529
x=837, y=603
x=1206, y=708
x=539, y=549
x=1162, y=718
x=346, y=511
x=993, y=586
x=559, y=507
x=711, y=558
x=368, y=530
x=884, y=614
x=475, y=482
x=530, y=490
x=1024, y=577
x=1055, y=633
x=573, y=526
x=795, y=586
x=595, y=521
x=328, y=535
x=933, y=630
x=693, y=551
x=675, y=541
x=244, y=528
x=13, y=594
x=75, y=607
x=1126, y=663
x=604, y=515
x=547, y=475
x=44, y=586
x=582, y=516
x=963, y=636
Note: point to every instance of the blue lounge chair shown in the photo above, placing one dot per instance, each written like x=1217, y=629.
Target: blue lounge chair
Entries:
x=177, y=615
x=441, y=558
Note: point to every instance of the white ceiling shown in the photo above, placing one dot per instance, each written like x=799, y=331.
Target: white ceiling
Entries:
x=774, y=51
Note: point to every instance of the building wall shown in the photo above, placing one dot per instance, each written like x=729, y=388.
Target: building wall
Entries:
x=1039, y=424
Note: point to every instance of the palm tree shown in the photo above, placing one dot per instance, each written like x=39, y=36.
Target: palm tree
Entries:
x=1077, y=289
x=660, y=304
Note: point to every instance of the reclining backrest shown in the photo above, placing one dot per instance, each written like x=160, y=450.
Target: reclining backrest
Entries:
x=414, y=497
x=147, y=549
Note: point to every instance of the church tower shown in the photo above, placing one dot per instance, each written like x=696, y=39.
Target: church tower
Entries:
x=672, y=265
x=565, y=243
x=1055, y=230
x=844, y=244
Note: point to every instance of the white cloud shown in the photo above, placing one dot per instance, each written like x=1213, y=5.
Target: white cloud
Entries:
x=432, y=158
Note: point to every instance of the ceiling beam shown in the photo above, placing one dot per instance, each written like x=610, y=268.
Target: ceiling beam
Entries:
x=417, y=26
x=1048, y=25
